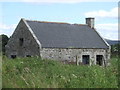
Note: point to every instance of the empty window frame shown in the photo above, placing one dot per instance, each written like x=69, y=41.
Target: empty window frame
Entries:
x=85, y=59
x=99, y=59
x=21, y=41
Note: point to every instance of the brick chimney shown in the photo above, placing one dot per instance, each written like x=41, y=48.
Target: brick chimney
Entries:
x=90, y=22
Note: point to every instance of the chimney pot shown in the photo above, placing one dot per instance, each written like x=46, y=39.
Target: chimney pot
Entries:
x=90, y=22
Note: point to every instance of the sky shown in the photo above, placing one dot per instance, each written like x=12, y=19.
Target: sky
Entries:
x=70, y=11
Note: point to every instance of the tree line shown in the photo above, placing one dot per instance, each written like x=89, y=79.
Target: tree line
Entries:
x=115, y=49
x=3, y=41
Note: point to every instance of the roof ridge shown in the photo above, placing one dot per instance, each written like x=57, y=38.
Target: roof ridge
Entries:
x=48, y=22
x=55, y=22
x=79, y=24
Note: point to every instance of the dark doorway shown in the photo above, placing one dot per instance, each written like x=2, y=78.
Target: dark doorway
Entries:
x=28, y=55
x=13, y=56
x=99, y=59
x=85, y=59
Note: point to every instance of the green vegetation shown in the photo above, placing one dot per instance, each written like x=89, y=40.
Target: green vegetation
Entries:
x=115, y=49
x=3, y=41
x=37, y=73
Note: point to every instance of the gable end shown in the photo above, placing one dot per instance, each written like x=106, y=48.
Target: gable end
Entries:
x=32, y=32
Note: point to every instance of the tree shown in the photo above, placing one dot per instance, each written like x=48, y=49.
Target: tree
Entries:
x=115, y=49
x=3, y=41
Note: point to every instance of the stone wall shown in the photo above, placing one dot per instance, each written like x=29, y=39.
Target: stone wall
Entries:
x=29, y=47
x=74, y=55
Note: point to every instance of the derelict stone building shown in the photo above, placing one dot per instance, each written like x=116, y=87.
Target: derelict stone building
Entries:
x=78, y=43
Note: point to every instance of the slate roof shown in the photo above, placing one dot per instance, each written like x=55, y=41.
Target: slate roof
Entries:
x=64, y=35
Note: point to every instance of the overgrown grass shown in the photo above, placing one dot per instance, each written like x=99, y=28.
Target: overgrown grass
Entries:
x=37, y=73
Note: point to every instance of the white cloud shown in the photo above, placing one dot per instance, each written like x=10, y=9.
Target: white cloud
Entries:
x=113, y=13
x=109, y=30
x=65, y=1
x=7, y=29
x=106, y=30
x=108, y=26
x=60, y=1
x=4, y=26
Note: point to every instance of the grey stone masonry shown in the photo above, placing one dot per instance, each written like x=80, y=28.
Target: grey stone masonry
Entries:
x=75, y=55
x=29, y=48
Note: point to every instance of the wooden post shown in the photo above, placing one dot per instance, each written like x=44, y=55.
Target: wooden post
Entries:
x=77, y=60
x=104, y=61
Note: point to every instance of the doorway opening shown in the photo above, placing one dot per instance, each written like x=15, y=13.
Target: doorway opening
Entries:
x=28, y=55
x=85, y=59
x=99, y=60
x=13, y=56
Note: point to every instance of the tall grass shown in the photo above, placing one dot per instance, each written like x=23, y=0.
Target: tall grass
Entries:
x=38, y=73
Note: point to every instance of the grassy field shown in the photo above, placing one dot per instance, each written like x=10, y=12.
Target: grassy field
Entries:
x=37, y=73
